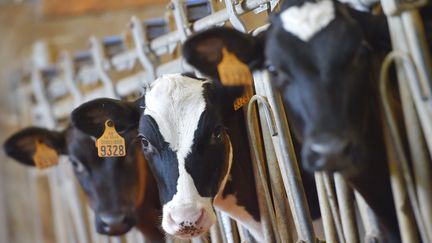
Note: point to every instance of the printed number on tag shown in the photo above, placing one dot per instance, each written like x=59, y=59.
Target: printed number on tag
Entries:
x=110, y=144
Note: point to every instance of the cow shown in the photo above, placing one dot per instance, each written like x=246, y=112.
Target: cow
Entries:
x=121, y=190
x=195, y=143
x=324, y=58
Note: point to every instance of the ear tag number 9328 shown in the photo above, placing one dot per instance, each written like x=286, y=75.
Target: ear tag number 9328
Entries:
x=110, y=144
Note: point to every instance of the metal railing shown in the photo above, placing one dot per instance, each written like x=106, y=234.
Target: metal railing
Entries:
x=283, y=205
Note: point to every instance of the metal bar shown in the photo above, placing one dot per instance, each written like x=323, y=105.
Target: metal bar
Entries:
x=100, y=66
x=326, y=215
x=420, y=53
x=222, y=228
x=424, y=107
x=140, y=48
x=258, y=161
x=331, y=198
x=422, y=168
x=280, y=200
x=288, y=164
x=201, y=24
x=373, y=231
x=215, y=233
x=401, y=159
x=68, y=75
x=345, y=198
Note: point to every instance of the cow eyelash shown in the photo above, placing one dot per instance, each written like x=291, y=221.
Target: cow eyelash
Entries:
x=146, y=144
x=78, y=166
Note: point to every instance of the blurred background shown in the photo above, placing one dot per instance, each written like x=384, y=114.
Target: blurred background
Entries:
x=61, y=25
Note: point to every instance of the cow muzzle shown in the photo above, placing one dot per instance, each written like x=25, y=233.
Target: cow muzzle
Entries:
x=326, y=153
x=187, y=221
x=114, y=223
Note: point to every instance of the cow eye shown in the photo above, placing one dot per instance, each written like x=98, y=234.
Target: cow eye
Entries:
x=272, y=69
x=218, y=134
x=78, y=166
x=146, y=145
x=144, y=142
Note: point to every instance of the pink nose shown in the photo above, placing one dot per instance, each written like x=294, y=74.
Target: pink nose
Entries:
x=188, y=216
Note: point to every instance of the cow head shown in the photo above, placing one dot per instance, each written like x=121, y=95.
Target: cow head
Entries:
x=319, y=56
x=184, y=138
x=114, y=187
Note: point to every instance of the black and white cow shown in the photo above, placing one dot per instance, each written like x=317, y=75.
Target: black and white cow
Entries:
x=324, y=58
x=121, y=190
x=195, y=144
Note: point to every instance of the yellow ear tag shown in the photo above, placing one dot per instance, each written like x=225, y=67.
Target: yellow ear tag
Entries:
x=45, y=156
x=233, y=72
x=110, y=144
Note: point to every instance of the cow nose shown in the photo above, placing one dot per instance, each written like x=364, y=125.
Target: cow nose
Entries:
x=187, y=215
x=329, y=145
x=112, y=219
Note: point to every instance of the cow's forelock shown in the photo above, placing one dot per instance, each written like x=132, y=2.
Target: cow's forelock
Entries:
x=176, y=103
x=308, y=19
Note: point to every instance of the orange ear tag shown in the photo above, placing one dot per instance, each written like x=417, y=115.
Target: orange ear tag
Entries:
x=45, y=156
x=110, y=144
x=233, y=72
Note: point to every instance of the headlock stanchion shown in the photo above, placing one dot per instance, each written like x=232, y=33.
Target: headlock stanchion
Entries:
x=284, y=210
x=395, y=139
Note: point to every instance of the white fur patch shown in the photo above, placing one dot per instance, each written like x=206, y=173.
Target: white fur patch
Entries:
x=176, y=103
x=307, y=20
x=239, y=213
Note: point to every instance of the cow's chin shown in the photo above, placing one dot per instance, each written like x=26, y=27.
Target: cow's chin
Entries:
x=189, y=220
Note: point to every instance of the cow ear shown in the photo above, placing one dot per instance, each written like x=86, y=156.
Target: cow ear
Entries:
x=204, y=50
x=21, y=146
x=91, y=116
x=226, y=95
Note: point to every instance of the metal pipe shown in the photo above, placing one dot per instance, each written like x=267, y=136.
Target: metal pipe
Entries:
x=280, y=200
x=99, y=65
x=372, y=228
x=68, y=75
x=288, y=164
x=331, y=198
x=395, y=140
x=345, y=198
x=258, y=162
x=422, y=168
x=326, y=215
x=140, y=44
x=201, y=24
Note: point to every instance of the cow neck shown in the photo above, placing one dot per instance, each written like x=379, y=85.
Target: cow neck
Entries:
x=228, y=165
x=240, y=182
x=381, y=198
x=148, y=205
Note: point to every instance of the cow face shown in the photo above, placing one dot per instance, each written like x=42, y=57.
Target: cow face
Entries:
x=188, y=148
x=319, y=57
x=114, y=187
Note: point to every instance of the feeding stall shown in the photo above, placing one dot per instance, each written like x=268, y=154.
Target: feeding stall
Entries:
x=53, y=81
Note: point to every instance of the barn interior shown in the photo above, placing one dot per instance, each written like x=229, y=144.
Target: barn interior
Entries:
x=56, y=54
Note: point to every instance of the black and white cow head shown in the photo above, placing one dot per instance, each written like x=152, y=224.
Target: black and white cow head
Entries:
x=114, y=187
x=319, y=54
x=188, y=148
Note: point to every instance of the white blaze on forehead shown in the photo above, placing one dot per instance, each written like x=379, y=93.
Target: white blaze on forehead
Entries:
x=176, y=103
x=307, y=20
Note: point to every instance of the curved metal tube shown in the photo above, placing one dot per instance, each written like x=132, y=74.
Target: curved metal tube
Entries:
x=262, y=100
x=395, y=137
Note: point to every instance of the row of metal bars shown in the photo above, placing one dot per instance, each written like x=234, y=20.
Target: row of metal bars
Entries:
x=285, y=216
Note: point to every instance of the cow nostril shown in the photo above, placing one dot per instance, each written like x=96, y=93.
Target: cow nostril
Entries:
x=334, y=146
x=112, y=219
